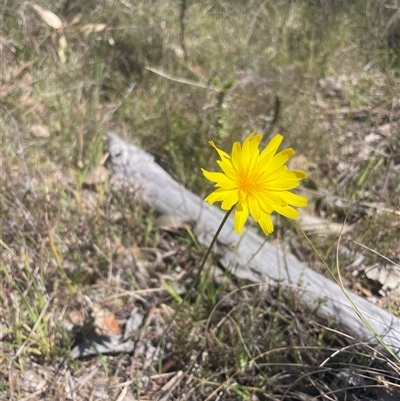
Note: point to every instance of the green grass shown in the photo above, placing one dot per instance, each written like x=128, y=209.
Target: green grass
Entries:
x=171, y=76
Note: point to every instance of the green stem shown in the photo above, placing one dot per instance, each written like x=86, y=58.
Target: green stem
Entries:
x=209, y=249
x=182, y=21
x=203, y=262
x=207, y=254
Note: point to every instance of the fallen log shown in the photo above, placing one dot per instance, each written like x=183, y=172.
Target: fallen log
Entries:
x=248, y=256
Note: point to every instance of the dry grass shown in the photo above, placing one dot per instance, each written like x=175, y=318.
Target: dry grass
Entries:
x=171, y=76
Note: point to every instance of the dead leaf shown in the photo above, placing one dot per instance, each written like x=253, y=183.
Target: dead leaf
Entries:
x=92, y=28
x=74, y=319
x=97, y=176
x=105, y=323
x=372, y=137
x=51, y=19
x=39, y=131
x=22, y=68
x=365, y=291
x=6, y=87
x=8, y=51
x=88, y=199
x=385, y=129
x=76, y=20
x=62, y=45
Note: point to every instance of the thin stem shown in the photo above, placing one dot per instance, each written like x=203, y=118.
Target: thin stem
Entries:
x=203, y=262
x=207, y=254
x=182, y=21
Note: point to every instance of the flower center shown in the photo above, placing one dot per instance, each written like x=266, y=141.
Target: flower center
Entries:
x=248, y=183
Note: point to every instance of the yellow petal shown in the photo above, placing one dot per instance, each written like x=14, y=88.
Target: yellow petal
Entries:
x=301, y=175
x=275, y=174
x=280, y=159
x=265, y=205
x=217, y=196
x=221, y=179
x=227, y=183
x=241, y=215
x=287, y=211
x=227, y=168
x=237, y=157
x=250, y=145
x=254, y=156
x=294, y=199
x=267, y=154
x=213, y=176
x=284, y=182
x=232, y=197
x=272, y=198
x=255, y=210
x=223, y=155
x=266, y=224
x=255, y=143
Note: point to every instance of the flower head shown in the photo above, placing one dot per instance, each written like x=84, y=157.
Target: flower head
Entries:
x=257, y=183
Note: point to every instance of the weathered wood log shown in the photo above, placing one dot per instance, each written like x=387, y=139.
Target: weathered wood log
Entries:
x=249, y=256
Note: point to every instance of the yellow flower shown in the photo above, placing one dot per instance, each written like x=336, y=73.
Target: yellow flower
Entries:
x=258, y=183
